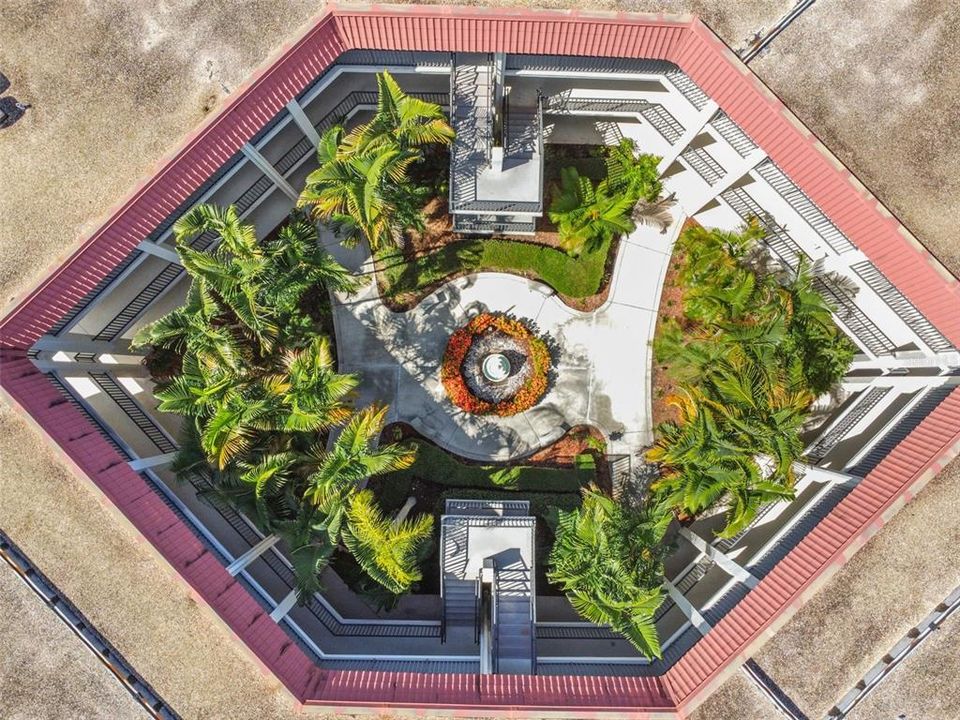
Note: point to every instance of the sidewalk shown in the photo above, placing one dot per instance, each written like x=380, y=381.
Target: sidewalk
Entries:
x=603, y=371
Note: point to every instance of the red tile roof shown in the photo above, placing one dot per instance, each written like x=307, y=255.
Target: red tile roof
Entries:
x=692, y=46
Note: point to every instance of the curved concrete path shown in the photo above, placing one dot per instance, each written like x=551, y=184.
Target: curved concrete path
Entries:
x=603, y=372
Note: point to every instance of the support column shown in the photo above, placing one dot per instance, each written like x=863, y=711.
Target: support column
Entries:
x=165, y=252
x=728, y=564
x=238, y=565
x=303, y=122
x=703, y=117
x=693, y=615
x=83, y=344
x=285, y=606
x=269, y=170
x=121, y=368
x=152, y=461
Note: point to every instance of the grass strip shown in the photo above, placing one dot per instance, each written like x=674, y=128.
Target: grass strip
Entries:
x=575, y=277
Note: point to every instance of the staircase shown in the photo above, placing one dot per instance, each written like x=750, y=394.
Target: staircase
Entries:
x=471, y=114
x=486, y=562
x=514, y=621
x=460, y=602
x=521, y=132
x=482, y=201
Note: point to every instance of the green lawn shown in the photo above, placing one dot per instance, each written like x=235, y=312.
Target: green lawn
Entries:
x=578, y=277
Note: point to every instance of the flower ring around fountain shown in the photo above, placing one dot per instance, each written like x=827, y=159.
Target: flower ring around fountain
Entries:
x=496, y=365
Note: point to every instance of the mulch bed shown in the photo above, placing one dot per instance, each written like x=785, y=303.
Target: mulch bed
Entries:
x=561, y=453
x=671, y=306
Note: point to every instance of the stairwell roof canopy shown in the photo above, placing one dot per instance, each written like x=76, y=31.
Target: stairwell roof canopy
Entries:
x=683, y=40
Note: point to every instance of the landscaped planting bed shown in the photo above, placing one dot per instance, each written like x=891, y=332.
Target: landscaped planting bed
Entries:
x=436, y=476
x=528, y=366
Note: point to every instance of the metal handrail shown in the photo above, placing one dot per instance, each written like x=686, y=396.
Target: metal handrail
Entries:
x=540, y=147
x=443, y=602
x=533, y=604
x=453, y=70
x=495, y=614
x=490, y=110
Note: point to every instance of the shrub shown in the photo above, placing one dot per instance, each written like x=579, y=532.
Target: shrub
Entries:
x=437, y=466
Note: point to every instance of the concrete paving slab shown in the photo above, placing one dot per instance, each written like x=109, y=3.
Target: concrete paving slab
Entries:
x=602, y=367
x=639, y=277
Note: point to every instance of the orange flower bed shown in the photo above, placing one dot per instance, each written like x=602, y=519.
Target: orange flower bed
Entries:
x=459, y=345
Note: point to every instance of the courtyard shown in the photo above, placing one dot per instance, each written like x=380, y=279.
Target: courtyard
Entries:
x=399, y=353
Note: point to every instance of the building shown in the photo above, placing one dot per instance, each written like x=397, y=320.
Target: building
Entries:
x=730, y=151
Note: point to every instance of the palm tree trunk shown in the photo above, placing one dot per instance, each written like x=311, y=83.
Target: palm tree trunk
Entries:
x=404, y=511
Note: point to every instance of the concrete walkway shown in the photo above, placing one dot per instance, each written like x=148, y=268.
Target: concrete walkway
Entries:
x=603, y=370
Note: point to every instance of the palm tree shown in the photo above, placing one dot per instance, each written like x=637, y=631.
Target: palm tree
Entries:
x=235, y=413
x=654, y=213
x=632, y=174
x=313, y=395
x=297, y=263
x=407, y=121
x=353, y=457
x=361, y=192
x=814, y=341
x=587, y=217
x=232, y=274
x=311, y=548
x=608, y=559
x=362, y=184
x=191, y=330
x=386, y=550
